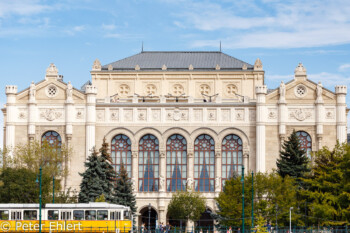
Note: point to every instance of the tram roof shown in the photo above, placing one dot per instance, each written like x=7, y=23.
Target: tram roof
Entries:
x=59, y=205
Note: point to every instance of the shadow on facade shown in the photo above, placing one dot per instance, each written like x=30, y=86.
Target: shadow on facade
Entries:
x=206, y=220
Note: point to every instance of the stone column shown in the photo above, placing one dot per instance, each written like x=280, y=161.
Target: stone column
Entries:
x=190, y=167
x=91, y=93
x=218, y=170
x=319, y=115
x=341, y=91
x=135, y=169
x=282, y=113
x=32, y=112
x=246, y=162
x=260, y=127
x=11, y=92
x=69, y=106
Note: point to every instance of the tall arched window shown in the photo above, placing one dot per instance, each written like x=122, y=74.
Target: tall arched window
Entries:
x=148, y=163
x=52, y=138
x=204, y=163
x=305, y=142
x=232, y=156
x=121, y=153
x=176, y=160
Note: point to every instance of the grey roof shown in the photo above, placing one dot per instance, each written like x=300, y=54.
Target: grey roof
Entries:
x=179, y=61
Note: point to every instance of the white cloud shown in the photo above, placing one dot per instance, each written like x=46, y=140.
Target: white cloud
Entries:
x=108, y=27
x=344, y=67
x=272, y=24
x=22, y=7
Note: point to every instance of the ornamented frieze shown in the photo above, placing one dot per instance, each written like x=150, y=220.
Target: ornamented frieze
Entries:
x=22, y=114
x=142, y=115
x=212, y=115
x=100, y=115
x=156, y=114
x=252, y=115
x=128, y=116
x=198, y=114
x=272, y=113
x=79, y=113
x=114, y=115
x=300, y=114
x=225, y=114
x=330, y=113
x=239, y=114
x=177, y=114
x=51, y=114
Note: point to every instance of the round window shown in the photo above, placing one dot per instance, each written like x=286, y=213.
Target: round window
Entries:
x=300, y=91
x=51, y=91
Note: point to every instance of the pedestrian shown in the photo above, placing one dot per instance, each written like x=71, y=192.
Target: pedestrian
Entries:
x=239, y=230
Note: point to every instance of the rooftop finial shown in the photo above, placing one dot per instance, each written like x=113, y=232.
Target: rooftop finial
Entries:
x=142, y=47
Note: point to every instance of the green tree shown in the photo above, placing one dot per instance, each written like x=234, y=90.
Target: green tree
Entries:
x=108, y=173
x=91, y=186
x=269, y=190
x=293, y=160
x=186, y=205
x=328, y=186
x=18, y=186
x=30, y=157
x=123, y=194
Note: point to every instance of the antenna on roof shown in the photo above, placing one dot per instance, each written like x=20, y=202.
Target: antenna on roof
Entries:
x=142, y=47
x=220, y=45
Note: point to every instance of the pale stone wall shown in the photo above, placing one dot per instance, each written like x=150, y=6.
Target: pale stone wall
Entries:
x=262, y=119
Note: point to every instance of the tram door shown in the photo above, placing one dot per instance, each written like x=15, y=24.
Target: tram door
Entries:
x=16, y=215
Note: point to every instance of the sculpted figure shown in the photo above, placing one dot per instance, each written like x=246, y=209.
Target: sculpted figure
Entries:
x=69, y=90
x=282, y=91
x=32, y=91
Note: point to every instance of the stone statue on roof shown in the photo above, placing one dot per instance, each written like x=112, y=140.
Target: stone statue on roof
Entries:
x=32, y=91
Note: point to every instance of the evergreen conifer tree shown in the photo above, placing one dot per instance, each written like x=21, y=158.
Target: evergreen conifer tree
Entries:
x=91, y=186
x=293, y=160
x=109, y=174
x=124, y=191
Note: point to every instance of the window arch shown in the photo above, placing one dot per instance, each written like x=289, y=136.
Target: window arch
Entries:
x=121, y=153
x=232, y=156
x=176, y=160
x=148, y=163
x=305, y=142
x=204, y=163
x=52, y=138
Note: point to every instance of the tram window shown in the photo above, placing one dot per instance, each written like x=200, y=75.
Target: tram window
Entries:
x=30, y=215
x=16, y=215
x=90, y=214
x=126, y=214
x=102, y=215
x=115, y=215
x=78, y=214
x=52, y=214
x=4, y=215
x=66, y=215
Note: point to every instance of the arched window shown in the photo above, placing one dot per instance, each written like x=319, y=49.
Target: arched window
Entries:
x=232, y=156
x=204, y=163
x=176, y=159
x=121, y=153
x=52, y=138
x=305, y=142
x=148, y=163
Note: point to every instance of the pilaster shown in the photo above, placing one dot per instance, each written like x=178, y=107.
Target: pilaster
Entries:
x=11, y=92
x=341, y=91
x=260, y=127
x=91, y=92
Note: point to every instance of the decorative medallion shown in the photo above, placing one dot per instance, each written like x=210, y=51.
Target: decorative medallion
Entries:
x=50, y=114
x=231, y=90
x=124, y=90
x=151, y=89
x=204, y=89
x=178, y=89
x=300, y=114
x=51, y=91
x=300, y=91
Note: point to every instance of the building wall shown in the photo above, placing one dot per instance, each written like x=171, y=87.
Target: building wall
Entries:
x=262, y=120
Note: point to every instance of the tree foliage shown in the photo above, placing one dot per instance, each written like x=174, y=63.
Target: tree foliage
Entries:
x=93, y=183
x=270, y=190
x=293, y=160
x=186, y=205
x=21, y=170
x=123, y=194
x=328, y=186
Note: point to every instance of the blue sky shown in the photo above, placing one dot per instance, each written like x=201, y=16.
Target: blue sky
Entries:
x=73, y=33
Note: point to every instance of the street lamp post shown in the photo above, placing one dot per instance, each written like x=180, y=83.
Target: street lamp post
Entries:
x=40, y=174
x=290, y=219
x=242, y=179
x=252, y=199
x=149, y=217
x=53, y=189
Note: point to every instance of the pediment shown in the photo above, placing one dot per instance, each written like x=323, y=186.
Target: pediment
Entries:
x=51, y=90
x=304, y=91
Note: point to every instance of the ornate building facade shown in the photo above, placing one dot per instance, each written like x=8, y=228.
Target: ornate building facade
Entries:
x=176, y=120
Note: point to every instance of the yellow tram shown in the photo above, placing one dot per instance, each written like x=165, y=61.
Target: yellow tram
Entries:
x=83, y=217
